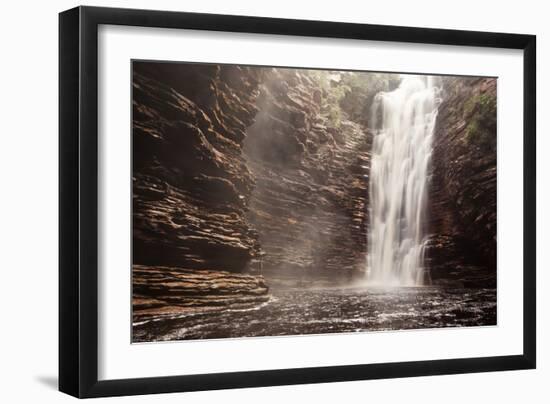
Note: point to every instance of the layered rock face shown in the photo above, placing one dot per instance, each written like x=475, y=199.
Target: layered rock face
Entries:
x=311, y=182
x=191, y=185
x=239, y=169
x=166, y=292
x=463, y=188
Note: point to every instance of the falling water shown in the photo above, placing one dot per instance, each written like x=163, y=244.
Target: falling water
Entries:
x=404, y=121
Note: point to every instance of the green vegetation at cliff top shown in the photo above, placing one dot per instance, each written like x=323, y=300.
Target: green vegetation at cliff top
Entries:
x=481, y=114
x=349, y=95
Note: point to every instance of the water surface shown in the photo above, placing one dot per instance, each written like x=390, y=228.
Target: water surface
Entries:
x=319, y=311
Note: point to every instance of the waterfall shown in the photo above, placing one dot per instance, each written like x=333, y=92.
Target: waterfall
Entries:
x=404, y=121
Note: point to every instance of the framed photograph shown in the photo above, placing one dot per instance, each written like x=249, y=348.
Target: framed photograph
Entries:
x=251, y=201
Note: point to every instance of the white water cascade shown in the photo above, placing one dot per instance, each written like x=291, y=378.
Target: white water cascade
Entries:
x=404, y=121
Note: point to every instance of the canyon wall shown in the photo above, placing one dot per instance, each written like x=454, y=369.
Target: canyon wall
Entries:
x=241, y=169
x=191, y=188
x=311, y=171
x=191, y=184
x=463, y=188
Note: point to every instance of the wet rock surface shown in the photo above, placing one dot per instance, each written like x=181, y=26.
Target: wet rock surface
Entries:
x=165, y=292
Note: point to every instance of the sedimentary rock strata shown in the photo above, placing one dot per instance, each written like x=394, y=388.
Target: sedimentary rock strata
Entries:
x=463, y=188
x=309, y=200
x=168, y=292
x=191, y=184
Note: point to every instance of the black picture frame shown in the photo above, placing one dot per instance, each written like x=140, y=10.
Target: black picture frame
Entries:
x=78, y=201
